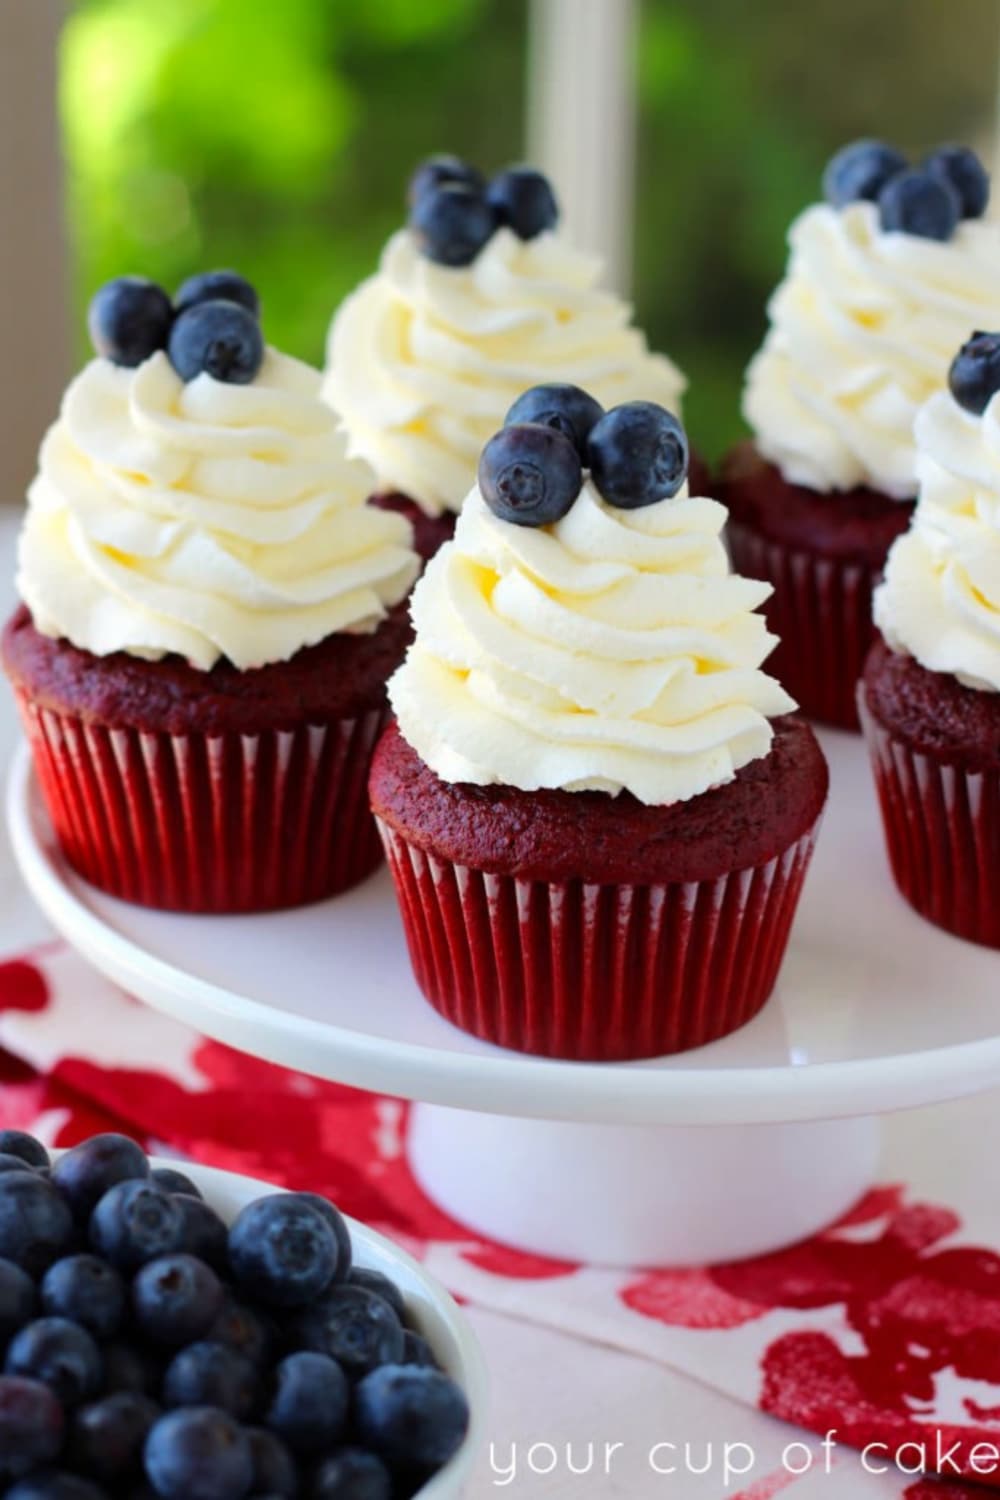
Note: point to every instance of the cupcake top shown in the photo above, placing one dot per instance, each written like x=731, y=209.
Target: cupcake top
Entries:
x=478, y=298
x=195, y=497
x=940, y=601
x=884, y=280
x=583, y=630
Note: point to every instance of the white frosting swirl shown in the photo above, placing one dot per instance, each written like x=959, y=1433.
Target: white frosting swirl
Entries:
x=863, y=329
x=206, y=519
x=425, y=360
x=611, y=651
x=940, y=601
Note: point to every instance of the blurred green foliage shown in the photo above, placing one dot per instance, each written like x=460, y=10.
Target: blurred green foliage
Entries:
x=277, y=136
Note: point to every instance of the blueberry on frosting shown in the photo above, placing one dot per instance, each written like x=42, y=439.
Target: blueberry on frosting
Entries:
x=529, y=474
x=129, y=320
x=962, y=169
x=216, y=338
x=522, y=198
x=567, y=408
x=974, y=377
x=454, y=211
x=638, y=454
x=916, y=202
x=860, y=171
x=211, y=286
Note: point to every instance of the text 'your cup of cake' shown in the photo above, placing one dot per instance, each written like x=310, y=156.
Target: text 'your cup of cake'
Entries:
x=884, y=281
x=930, y=700
x=480, y=296
x=598, y=809
x=210, y=613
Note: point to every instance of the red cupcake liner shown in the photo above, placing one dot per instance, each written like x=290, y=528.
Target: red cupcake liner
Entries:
x=821, y=610
x=202, y=823
x=595, y=972
x=942, y=831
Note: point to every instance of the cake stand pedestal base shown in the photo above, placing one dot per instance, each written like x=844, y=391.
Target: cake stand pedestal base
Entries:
x=636, y=1195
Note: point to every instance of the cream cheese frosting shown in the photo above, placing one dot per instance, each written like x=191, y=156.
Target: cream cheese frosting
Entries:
x=424, y=360
x=610, y=651
x=940, y=601
x=207, y=519
x=862, y=331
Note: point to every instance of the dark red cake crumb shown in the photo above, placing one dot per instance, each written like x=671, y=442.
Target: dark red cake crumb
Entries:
x=429, y=532
x=856, y=525
x=932, y=713
x=554, y=836
x=342, y=677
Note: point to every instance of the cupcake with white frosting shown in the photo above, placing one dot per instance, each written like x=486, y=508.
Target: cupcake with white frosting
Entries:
x=210, y=613
x=884, y=280
x=479, y=297
x=598, y=807
x=930, y=700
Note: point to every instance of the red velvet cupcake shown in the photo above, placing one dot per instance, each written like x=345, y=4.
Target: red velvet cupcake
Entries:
x=877, y=296
x=465, y=312
x=211, y=613
x=598, y=835
x=930, y=700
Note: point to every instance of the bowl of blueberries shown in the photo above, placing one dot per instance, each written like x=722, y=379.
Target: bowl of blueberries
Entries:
x=180, y=1333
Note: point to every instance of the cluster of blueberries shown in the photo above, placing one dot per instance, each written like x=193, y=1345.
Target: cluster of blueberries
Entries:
x=974, y=377
x=454, y=211
x=531, y=472
x=150, y=1353
x=928, y=200
x=212, y=326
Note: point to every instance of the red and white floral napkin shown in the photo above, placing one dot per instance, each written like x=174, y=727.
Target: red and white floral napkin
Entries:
x=884, y=1330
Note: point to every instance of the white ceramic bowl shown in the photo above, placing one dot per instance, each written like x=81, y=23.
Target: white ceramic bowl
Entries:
x=432, y=1312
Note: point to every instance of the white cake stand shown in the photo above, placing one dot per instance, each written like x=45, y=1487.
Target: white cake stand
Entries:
x=727, y=1151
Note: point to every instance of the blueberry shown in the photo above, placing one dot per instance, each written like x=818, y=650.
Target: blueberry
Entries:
x=134, y=1223
x=199, y=1453
x=172, y=1181
x=55, y=1484
x=129, y=320
x=9, y=1163
x=60, y=1354
x=86, y=1173
x=86, y=1290
x=974, y=377
x=353, y=1326
x=437, y=170
x=413, y=1418
x=216, y=286
x=241, y=1329
x=860, y=171
x=109, y=1435
x=917, y=203
x=36, y=1226
x=19, y=1143
x=352, y=1474
x=282, y=1251
x=417, y=1351
x=274, y=1472
x=204, y=1234
x=961, y=167
x=341, y=1233
x=375, y=1281
x=567, y=408
x=638, y=454
x=176, y=1299
x=220, y=339
x=206, y=1374
x=523, y=199
x=309, y=1404
x=452, y=223
x=529, y=475
x=32, y=1425
x=17, y=1299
